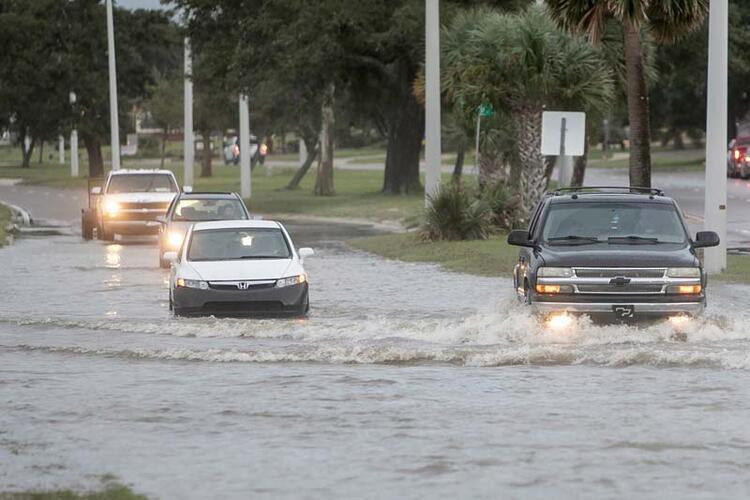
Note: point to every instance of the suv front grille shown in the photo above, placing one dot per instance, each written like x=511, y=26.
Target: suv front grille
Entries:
x=615, y=272
x=619, y=289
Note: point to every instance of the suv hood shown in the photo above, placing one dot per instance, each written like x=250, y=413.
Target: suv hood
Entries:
x=608, y=255
x=152, y=197
x=230, y=270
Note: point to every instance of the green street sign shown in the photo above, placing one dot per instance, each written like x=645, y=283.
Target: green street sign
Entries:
x=486, y=110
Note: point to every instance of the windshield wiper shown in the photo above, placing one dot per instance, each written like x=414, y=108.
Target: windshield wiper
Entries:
x=573, y=238
x=633, y=239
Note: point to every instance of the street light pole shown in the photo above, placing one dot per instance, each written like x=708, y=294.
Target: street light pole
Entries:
x=113, y=121
x=245, y=156
x=188, y=139
x=73, y=138
x=432, y=99
x=716, y=134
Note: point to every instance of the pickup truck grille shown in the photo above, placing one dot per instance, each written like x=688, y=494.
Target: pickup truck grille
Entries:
x=625, y=273
x=155, y=205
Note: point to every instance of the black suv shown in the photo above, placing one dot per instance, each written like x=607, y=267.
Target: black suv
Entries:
x=613, y=252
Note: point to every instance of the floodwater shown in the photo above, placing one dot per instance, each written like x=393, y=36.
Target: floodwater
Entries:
x=405, y=381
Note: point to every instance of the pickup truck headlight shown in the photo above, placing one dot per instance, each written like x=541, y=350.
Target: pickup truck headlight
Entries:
x=174, y=239
x=684, y=272
x=183, y=283
x=554, y=272
x=294, y=280
x=111, y=208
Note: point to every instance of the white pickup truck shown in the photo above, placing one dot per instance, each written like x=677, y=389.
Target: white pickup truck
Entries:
x=129, y=203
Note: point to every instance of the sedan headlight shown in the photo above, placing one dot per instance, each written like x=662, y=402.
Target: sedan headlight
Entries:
x=684, y=272
x=294, y=280
x=183, y=283
x=554, y=272
x=111, y=207
x=174, y=239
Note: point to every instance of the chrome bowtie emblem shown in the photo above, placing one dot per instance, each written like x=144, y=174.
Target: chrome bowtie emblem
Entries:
x=243, y=285
x=619, y=281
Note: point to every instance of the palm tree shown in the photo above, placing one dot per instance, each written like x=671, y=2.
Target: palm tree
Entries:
x=665, y=20
x=522, y=63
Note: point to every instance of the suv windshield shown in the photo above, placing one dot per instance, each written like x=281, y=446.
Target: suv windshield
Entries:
x=584, y=222
x=141, y=183
x=238, y=243
x=208, y=209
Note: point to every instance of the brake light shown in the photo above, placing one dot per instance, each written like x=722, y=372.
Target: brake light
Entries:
x=263, y=149
x=236, y=150
x=739, y=154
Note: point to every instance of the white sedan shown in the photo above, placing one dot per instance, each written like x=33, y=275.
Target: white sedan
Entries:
x=240, y=267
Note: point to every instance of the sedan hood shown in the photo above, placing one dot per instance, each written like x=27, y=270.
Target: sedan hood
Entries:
x=607, y=255
x=249, y=269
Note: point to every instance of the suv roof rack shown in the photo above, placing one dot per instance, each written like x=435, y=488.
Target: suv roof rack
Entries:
x=627, y=189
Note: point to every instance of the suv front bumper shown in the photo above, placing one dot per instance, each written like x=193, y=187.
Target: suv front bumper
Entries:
x=639, y=308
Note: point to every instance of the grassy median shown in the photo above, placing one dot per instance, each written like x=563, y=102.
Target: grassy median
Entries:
x=110, y=493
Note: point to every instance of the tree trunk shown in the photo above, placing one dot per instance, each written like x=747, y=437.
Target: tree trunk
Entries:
x=458, y=168
x=26, y=161
x=41, y=151
x=207, y=154
x=163, y=146
x=405, y=133
x=532, y=182
x=579, y=167
x=638, y=110
x=324, y=179
x=312, y=151
x=94, y=151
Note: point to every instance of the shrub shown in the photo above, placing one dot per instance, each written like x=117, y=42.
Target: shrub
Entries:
x=455, y=213
x=503, y=203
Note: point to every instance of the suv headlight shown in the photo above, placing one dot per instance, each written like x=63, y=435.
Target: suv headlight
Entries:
x=293, y=280
x=684, y=272
x=183, y=283
x=554, y=272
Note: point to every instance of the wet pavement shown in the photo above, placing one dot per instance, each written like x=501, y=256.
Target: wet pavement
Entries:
x=405, y=381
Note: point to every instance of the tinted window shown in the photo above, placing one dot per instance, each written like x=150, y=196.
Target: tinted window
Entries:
x=208, y=209
x=235, y=244
x=605, y=220
x=141, y=183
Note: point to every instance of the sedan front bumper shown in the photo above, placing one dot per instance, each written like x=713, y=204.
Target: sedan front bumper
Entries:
x=289, y=300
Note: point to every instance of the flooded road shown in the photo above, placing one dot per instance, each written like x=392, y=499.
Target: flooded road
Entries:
x=405, y=381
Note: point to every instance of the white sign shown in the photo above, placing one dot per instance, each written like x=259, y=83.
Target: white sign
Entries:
x=574, y=133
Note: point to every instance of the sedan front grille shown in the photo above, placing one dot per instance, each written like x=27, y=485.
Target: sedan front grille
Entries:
x=233, y=286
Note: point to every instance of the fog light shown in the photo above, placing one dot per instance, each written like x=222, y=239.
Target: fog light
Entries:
x=680, y=320
x=559, y=321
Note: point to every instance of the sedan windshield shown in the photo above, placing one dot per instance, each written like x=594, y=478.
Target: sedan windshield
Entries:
x=141, y=183
x=208, y=209
x=581, y=223
x=238, y=243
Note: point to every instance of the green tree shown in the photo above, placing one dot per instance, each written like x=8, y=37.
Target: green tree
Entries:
x=165, y=105
x=665, y=21
x=522, y=64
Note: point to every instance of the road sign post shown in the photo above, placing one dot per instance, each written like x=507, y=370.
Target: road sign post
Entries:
x=715, y=209
x=432, y=99
x=61, y=148
x=245, y=155
x=485, y=110
x=563, y=135
x=113, y=119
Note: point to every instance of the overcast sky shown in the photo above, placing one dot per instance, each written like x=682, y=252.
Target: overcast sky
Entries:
x=140, y=4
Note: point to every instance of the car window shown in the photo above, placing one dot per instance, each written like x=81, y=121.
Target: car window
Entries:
x=604, y=220
x=208, y=209
x=238, y=243
x=141, y=183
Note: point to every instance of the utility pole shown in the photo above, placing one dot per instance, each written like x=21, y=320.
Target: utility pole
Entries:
x=715, y=209
x=188, y=139
x=432, y=102
x=113, y=120
x=245, y=182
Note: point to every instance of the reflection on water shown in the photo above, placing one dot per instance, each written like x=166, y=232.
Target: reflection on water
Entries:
x=404, y=381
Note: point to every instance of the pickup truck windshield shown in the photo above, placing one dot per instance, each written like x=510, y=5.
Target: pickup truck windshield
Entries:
x=236, y=244
x=141, y=183
x=584, y=222
x=208, y=209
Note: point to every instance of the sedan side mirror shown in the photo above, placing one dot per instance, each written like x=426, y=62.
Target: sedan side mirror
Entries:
x=520, y=238
x=96, y=190
x=705, y=239
x=305, y=252
x=170, y=257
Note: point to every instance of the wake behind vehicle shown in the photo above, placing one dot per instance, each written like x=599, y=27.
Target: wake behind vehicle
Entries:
x=188, y=208
x=128, y=203
x=238, y=268
x=616, y=253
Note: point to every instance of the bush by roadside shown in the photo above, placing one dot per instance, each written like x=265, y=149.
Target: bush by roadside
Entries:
x=5, y=216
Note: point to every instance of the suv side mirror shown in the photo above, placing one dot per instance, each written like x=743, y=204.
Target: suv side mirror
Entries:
x=520, y=238
x=706, y=239
x=96, y=190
